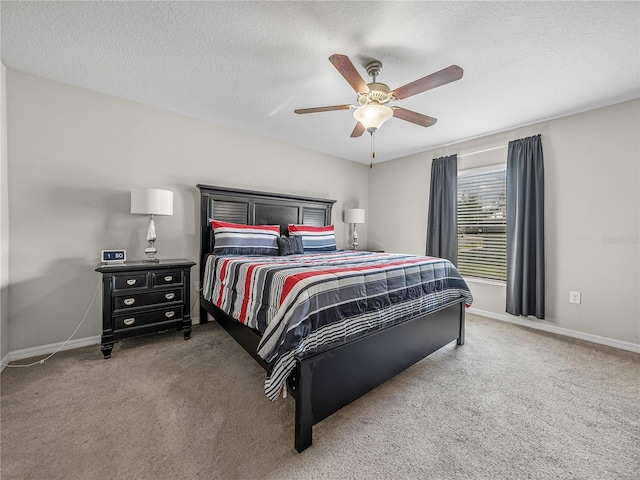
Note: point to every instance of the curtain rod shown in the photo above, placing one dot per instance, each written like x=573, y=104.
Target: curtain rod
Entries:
x=482, y=151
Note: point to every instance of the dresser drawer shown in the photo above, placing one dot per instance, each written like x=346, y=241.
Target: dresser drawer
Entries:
x=170, y=277
x=148, y=298
x=128, y=282
x=137, y=319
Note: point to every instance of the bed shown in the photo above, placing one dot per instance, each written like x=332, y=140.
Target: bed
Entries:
x=321, y=376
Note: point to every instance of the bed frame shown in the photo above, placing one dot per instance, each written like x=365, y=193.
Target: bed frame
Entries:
x=323, y=381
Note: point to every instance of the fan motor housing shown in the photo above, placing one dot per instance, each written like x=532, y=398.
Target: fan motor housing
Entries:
x=379, y=93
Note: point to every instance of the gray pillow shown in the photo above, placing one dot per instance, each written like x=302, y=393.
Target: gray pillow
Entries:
x=290, y=245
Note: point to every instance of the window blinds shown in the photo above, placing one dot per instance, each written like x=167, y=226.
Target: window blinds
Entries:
x=482, y=216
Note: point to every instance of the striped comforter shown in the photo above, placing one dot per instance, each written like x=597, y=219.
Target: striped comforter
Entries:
x=302, y=302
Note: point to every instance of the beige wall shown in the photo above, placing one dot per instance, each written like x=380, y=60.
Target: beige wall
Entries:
x=592, y=206
x=74, y=155
x=4, y=223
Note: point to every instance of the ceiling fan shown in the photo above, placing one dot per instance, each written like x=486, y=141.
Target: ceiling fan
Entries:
x=373, y=97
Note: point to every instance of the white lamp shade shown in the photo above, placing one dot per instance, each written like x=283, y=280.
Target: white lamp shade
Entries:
x=354, y=215
x=372, y=116
x=151, y=201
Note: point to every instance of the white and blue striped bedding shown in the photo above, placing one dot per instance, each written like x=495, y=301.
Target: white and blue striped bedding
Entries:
x=302, y=302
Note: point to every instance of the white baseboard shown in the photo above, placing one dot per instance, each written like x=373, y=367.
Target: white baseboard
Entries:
x=84, y=342
x=47, y=349
x=5, y=361
x=611, y=342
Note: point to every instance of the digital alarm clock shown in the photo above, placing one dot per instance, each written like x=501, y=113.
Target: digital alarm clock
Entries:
x=113, y=256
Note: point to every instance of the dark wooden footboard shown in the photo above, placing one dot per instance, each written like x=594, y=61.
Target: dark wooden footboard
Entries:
x=325, y=381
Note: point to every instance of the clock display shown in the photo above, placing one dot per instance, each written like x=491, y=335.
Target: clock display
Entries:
x=113, y=256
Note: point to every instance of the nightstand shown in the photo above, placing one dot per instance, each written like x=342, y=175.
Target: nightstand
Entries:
x=144, y=297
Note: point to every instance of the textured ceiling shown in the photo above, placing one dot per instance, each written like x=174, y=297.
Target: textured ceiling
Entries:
x=248, y=65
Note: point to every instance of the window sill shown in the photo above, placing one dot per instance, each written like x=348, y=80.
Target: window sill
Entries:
x=497, y=283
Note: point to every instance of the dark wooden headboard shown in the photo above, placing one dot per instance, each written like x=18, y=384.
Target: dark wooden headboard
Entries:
x=249, y=207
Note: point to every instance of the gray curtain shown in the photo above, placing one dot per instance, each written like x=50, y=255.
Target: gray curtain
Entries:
x=525, y=228
x=442, y=225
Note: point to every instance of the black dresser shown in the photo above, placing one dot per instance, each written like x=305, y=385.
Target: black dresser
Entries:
x=143, y=297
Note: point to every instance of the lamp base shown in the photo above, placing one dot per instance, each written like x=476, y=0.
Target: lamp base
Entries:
x=151, y=250
x=150, y=253
x=150, y=259
x=355, y=238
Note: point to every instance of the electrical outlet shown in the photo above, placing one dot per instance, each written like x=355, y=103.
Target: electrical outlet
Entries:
x=575, y=297
x=197, y=285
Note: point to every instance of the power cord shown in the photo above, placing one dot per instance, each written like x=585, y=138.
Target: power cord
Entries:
x=195, y=300
x=41, y=362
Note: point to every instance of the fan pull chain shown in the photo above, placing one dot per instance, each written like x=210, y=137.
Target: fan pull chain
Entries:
x=373, y=148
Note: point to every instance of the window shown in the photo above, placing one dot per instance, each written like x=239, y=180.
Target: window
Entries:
x=482, y=223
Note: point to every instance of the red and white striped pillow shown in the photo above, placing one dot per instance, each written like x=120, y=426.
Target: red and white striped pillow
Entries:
x=238, y=239
x=315, y=239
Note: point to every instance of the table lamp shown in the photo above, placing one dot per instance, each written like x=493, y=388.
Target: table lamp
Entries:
x=151, y=201
x=354, y=216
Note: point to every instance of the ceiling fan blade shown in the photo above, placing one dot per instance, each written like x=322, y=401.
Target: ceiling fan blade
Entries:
x=358, y=130
x=323, y=109
x=349, y=72
x=413, y=117
x=447, y=75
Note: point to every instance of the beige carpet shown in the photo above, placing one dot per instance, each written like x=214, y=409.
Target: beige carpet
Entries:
x=512, y=403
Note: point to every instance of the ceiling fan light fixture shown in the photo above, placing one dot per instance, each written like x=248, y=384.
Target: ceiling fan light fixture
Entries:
x=372, y=116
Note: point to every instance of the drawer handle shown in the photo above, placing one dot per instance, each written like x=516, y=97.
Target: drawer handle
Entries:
x=169, y=296
x=129, y=321
x=129, y=301
x=168, y=278
x=169, y=314
x=131, y=281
